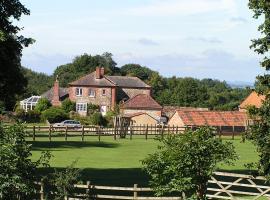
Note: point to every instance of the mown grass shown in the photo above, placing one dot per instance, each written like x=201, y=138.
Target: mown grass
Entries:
x=118, y=162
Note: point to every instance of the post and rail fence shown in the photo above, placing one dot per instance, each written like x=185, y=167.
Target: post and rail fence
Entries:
x=221, y=185
x=117, y=132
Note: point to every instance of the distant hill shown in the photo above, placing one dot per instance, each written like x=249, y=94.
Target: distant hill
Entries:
x=240, y=84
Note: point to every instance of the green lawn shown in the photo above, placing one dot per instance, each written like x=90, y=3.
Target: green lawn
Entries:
x=111, y=162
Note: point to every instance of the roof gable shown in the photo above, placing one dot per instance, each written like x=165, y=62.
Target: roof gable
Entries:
x=141, y=101
x=213, y=118
x=254, y=99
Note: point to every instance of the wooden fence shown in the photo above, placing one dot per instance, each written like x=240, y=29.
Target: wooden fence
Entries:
x=116, y=132
x=220, y=186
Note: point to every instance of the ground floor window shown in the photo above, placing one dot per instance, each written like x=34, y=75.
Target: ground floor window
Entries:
x=81, y=107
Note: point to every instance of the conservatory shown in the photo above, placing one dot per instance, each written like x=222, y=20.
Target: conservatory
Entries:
x=29, y=103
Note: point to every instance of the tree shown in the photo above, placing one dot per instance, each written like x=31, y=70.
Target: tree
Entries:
x=18, y=172
x=12, y=81
x=184, y=163
x=42, y=104
x=259, y=133
x=54, y=114
x=136, y=70
x=68, y=105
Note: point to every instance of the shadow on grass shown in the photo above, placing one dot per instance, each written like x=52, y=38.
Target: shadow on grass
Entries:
x=40, y=145
x=110, y=177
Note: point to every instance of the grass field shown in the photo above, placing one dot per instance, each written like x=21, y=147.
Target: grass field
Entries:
x=111, y=162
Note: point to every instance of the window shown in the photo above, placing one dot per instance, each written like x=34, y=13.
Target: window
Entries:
x=78, y=91
x=92, y=93
x=103, y=92
x=81, y=107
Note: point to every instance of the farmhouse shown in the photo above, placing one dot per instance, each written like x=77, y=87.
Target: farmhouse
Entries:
x=254, y=99
x=105, y=91
x=223, y=119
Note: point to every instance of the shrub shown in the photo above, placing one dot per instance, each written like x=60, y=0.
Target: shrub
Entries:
x=54, y=114
x=68, y=105
x=42, y=104
x=2, y=107
x=92, y=108
x=31, y=116
x=97, y=119
x=109, y=118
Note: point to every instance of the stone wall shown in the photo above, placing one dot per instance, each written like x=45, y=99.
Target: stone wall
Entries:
x=153, y=113
x=143, y=119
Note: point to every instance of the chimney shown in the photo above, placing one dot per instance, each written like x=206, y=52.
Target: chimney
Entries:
x=102, y=71
x=98, y=73
x=56, y=96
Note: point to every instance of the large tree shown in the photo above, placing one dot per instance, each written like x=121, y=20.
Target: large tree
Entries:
x=12, y=81
x=259, y=133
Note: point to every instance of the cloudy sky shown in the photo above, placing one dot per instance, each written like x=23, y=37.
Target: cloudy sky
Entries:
x=197, y=38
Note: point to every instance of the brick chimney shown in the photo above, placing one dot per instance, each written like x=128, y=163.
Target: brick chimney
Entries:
x=56, y=96
x=99, y=72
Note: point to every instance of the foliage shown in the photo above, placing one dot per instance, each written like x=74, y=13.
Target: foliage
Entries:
x=18, y=171
x=259, y=133
x=184, y=163
x=92, y=108
x=137, y=70
x=97, y=119
x=63, y=181
x=2, y=107
x=83, y=65
x=12, y=81
x=68, y=105
x=109, y=118
x=54, y=114
x=42, y=104
x=31, y=116
x=37, y=83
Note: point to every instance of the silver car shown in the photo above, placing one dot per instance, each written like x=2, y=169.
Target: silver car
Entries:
x=68, y=123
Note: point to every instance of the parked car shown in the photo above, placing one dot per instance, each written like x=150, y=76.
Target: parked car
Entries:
x=68, y=123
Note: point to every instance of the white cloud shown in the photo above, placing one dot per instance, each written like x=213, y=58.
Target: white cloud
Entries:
x=183, y=7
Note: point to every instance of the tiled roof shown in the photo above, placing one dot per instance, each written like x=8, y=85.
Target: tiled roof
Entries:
x=127, y=81
x=141, y=101
x=213, y=118
x=63, y=93
x=254, y=99
x=91, y=80
x=107, y=81
x=170, y=110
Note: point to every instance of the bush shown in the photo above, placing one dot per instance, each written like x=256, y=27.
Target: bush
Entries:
x=92, y=108
x=2, y=107
x=109, y=118
x=68, y=105
x=54, y=114
x=31, y=116
x=97, y=119
x=42, y=104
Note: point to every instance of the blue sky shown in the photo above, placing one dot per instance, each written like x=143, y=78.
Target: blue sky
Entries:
x=196, y=38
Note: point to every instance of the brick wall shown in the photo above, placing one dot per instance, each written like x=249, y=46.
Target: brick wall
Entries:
x=99, y=98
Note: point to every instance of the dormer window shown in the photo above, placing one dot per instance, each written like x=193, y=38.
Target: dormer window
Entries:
x=79, y=92
x=92, y=93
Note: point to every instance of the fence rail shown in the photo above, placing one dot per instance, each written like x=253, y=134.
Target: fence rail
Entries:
x=119, y=131
x=220, y=186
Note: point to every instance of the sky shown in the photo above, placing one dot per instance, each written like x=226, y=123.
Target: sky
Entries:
x=195, y=38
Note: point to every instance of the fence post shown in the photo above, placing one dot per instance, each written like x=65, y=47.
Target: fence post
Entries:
x=82, y=133
x=88, y=183
x=162, y=131
x=114, y=133
x=66, y=133
x=135, y=193
x=219, y=132
x=146, y=132
x=233, y=132
x=42, y=190
x=131, y=132
x=99, y=133
x=34, y=133
x=50, y=133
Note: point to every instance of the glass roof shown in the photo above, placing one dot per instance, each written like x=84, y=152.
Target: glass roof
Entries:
x=32, y=99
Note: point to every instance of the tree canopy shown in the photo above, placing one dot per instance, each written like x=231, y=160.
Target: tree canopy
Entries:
x=12, y=81
x=259, y=132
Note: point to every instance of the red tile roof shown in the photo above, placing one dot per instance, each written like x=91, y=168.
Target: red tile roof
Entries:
x=254, y=99
x=141, y=101
x=213, y=118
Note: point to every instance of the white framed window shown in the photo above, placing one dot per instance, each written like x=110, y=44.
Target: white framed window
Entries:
x=103, y=92
x=78, y=91
x=81, y=107
x=92, y=93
